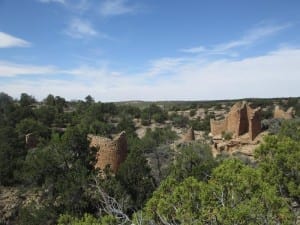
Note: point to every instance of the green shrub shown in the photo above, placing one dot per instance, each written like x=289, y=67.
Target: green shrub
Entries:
x=227, y=135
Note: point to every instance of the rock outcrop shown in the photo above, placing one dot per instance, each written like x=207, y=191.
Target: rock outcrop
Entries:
x=281, y=114
x=241, y=119
x=189, y=136
x=110, y=152
x=12, y=199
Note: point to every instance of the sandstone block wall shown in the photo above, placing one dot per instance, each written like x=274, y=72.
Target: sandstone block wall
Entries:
x=237, y=121
x=190, y=135
x=281, y=114
x=240, y=120
x=218, y=127
x=111, y=152
x=254, y=116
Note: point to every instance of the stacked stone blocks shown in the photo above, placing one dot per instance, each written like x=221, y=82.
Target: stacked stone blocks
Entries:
x=241, y=119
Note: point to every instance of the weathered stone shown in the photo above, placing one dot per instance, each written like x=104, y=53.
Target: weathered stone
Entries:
x=111, y=152
x=254, y=118
x=190, y=135
x=240, y=120
x=31, y=140
x=281, y=114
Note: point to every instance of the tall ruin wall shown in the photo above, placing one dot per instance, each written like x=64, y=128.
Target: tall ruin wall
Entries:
x=237, y=120
x=218, y=127
x=241, y=119
x=110, y=152
x=254, y=116
x=190, y=135
x=281, y=114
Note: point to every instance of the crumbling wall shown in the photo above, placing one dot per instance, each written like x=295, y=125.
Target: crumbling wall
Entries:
x=111, y=152
x=240, y=120
x=244, y=120
x=218, y=127
x=190, y=135
x=281, y=114
x=237, y=120
x=254, y=116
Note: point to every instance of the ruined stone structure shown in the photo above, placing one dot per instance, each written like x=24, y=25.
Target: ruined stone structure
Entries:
x=240, y=120
x=31, y=140
x=281, y=114
x=111, y=152
x=189, y=136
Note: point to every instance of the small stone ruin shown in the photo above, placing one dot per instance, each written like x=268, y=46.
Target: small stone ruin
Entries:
x=110, y=152
x=281, y=114
x=189, y=136
x=241, y=119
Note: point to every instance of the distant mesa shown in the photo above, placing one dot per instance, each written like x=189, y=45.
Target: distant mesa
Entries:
x=240, y=120
x=281, y=114
x=110, y=152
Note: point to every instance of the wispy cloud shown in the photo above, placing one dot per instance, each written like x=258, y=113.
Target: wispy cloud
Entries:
x=197, y=49
x=81, y=29
x=116, y=7
x=163, y=66
x=272, y=74
x=77, y=6
x=252, y=36
x=56, y=1
x=9, y=41
x=8, y=69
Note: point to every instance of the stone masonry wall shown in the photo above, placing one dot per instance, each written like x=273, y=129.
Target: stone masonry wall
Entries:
x=237, y=120
x=254, y=116
x=189, y=136
x=240, y=120
x=217, y=127
x=111, y=152
x=281, y=114
x=243, y=120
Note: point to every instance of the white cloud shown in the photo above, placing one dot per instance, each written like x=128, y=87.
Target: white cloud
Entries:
x=8, y=69
x=252, y=36
x=258, y=33
x=72, y=5
x=273, y=74
x=116, y=7
x=163, y=66
x=9, y=41
x=81, y=29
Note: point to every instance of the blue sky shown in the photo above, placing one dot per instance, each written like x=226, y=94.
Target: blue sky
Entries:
x=150, y=50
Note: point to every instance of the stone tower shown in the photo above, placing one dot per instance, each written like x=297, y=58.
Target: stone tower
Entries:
x=241, y=119
x=281, y=114
x=111, y=152
x=189, y=136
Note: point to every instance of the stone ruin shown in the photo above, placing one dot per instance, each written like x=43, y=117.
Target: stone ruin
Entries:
x=31, y=140
x=281, y=114
x=189, y=136
x=239, y=144
x=241, y=119
x=110, y=152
